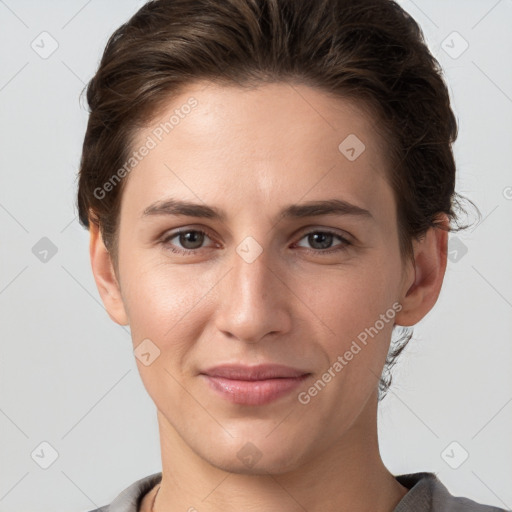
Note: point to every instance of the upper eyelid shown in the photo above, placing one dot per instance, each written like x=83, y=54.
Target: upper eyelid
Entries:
x=345, y=240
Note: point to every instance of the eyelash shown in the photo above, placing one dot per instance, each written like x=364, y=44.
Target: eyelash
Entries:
x=190, y=252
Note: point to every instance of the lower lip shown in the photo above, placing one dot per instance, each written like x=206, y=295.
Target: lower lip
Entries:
x=253, y=392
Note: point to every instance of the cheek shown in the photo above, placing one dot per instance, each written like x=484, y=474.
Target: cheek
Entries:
x=347, y=300
x=357, y=317
x=165, y=308
x=356, y=314
x=162, y=304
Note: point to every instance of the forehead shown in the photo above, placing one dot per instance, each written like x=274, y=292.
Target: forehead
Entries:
x=275, y=143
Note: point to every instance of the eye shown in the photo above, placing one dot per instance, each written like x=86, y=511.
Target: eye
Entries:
x=323, y=240
x=190, y=239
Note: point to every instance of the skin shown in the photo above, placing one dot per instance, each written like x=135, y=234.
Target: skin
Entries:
x=251, y=153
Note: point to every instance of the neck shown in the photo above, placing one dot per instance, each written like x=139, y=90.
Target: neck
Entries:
x=347, y=476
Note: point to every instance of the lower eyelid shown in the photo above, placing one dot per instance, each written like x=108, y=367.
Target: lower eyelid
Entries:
x=344, y=242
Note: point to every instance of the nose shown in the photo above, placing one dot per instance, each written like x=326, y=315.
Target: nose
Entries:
x=254, y=301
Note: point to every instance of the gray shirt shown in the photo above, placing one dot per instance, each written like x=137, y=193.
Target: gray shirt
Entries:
x=426, y=494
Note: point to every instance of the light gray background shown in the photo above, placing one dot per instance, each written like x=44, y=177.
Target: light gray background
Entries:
x=67, y=372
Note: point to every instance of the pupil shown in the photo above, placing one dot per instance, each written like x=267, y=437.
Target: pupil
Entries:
x=325, y=236
x=191, y=236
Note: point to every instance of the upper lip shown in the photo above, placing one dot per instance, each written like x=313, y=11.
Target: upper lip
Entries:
x=259, y=372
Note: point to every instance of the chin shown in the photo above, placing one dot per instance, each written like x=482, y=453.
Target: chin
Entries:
x=263, y=467
x=256, y=455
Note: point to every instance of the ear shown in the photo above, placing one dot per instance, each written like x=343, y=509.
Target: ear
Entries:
x=105, y=277
x=425, y=277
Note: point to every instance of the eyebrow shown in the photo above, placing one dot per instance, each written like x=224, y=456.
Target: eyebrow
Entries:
x=337, y=207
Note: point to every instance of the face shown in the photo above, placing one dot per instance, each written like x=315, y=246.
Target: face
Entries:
x=271, y=280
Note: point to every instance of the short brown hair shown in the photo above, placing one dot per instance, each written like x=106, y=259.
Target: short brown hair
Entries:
x=371, y=51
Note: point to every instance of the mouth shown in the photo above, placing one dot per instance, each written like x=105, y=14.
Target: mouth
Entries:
x=253, y=385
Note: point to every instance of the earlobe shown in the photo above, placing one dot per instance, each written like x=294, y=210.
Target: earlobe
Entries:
x=105, y=278
x=421, y=290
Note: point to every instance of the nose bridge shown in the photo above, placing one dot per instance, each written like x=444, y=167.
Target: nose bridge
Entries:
x=251, y=272
x=251, y=303
x=252, y=256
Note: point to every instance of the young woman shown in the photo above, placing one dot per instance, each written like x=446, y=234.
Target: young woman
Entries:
x=269, y=187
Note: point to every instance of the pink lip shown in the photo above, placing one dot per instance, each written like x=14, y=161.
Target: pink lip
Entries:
x=253, y=385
